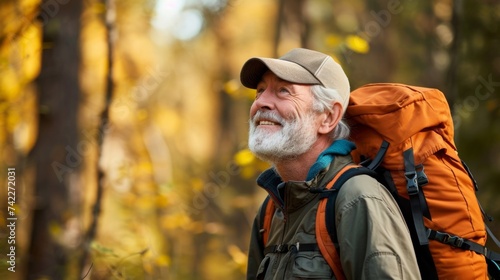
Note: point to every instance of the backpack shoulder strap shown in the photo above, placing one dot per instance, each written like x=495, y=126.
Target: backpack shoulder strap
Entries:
x=336, y=186
x=325, y=218
x=265, y=218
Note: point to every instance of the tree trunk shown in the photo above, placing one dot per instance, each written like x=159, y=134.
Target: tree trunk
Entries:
x=55, y=155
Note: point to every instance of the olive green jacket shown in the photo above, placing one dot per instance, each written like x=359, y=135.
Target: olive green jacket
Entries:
x=374, y=241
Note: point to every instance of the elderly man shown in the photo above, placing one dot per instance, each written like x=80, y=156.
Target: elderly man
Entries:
x=296, y=124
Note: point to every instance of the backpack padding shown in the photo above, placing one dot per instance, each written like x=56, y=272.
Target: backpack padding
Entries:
x=424, y=257
x=266, y=218
x=325, y=243
x=330, y=205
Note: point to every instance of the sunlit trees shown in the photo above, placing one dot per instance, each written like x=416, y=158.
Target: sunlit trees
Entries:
x=178, y=191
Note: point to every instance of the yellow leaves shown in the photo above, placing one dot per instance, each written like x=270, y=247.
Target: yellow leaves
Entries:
x=168, y=120
x=231, y=87
x=353, y=42
x=163, y=260
x=234, y=260
x=248, y=163
x=244, y=157
x=234, y=89
x=145, y=203
x=357, y=44
x=30, y=49
x=248, y=93
x=162, y=201
x=197, y=184
x=16, y=15
x=238, y=256
x=144, y=167
x=9, y=84
x=175, y=221
x=247, y=172
x=333, y=40
x=21, y=122
x=55, y=229
x=20, y=61
x=153, y=262
x=142, y=115
x=98, y=8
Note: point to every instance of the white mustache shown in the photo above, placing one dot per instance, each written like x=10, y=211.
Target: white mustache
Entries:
x=271, y=116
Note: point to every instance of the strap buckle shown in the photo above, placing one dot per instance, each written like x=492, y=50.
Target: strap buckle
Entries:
x=411, y=182
x=453, y=240
x=422, y=179
x=446, y=238
x=279, y=248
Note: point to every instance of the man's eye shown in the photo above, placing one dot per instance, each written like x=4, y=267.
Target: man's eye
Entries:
x=284, y=91
x=258, y=92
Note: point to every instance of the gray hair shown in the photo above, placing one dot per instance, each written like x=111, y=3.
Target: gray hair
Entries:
x=323, y=101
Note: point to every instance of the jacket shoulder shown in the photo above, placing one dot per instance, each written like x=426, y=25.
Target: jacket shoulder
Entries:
x=363, y=187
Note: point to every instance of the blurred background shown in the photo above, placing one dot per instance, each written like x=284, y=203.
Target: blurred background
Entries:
x=126, y=123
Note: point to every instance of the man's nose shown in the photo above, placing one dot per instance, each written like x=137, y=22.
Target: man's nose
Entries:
x=266, y=100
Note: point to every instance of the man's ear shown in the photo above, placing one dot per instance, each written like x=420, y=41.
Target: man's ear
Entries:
x=329, y=120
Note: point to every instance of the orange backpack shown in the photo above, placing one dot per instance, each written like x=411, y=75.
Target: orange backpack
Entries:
x=404, y=138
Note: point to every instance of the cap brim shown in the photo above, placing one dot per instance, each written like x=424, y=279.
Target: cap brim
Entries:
x=253, y=70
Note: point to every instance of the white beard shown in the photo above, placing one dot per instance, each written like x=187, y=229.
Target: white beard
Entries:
x=293, y=139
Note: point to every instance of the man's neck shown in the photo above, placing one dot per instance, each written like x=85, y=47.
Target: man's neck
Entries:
x=297, y=168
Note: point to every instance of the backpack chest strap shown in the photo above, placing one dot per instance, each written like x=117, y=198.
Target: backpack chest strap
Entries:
x=285, y=248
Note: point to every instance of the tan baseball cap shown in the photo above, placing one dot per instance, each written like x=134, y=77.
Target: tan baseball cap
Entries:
x=300, y=66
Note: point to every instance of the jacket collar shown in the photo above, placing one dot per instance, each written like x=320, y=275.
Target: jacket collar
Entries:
x=292, y=195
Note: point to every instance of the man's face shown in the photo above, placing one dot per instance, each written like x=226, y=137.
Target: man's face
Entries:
x=282, y=122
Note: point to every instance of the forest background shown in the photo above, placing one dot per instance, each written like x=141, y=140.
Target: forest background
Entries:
x=124, y=125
